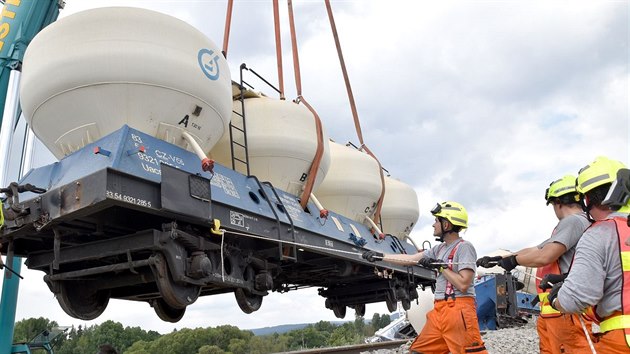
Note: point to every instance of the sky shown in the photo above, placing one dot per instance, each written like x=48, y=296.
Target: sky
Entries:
x=480, y=102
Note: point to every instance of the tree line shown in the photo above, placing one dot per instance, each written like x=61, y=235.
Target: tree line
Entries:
x=211, y=340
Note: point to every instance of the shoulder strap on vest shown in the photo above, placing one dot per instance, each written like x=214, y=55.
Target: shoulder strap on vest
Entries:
x=449, y=291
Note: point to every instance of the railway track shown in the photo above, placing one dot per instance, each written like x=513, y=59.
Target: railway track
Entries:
x=353, y=349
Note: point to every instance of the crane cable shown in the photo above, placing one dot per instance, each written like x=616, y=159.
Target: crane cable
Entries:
x=357, y=123
x=312, y=173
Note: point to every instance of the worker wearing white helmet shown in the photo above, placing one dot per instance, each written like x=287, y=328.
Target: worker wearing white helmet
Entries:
x=452, y=325
x=600, y=273
x=557, y=332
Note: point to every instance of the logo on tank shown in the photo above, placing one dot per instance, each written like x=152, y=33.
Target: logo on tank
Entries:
x=209, y=63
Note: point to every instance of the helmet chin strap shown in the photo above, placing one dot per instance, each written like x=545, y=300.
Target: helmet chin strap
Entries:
x=588, y=213
x=586, y=206
x=440, y=237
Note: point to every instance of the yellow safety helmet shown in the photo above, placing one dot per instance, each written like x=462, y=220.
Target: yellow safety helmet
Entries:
x=453, y=212
x=599, y=172
x=564, y=186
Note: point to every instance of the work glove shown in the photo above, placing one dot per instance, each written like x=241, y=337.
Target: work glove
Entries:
x=553, y=294
x=372, y=256
x=534, y=301
x=508, y=263
x=549, y=280
x=488, y=262
x=431, y=263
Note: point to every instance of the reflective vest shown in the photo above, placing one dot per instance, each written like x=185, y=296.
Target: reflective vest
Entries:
x=546, y=311
x=621, y=320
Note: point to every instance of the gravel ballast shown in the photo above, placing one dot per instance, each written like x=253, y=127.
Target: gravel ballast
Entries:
x=517, y=340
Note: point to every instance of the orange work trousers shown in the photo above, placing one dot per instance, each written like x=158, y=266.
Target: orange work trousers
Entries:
x=612, y=342
x=451, y=326
x=563, y=334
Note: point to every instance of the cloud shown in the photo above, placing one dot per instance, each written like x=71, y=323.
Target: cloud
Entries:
x=484, y=103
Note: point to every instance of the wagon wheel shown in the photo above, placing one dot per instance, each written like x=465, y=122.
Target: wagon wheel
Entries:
x=80, y=300
x=359, y=310
x=175, y=295
x=339, y=310
x=166, y=312
x=406, y=304
x=247, y=301
x=391, y=302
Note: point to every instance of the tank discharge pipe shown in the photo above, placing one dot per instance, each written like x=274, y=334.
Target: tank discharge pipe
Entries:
x=323, y=213
x=381, y=235
x=206, y=163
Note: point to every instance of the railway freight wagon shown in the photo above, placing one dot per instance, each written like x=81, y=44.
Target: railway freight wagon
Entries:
x=131, y=102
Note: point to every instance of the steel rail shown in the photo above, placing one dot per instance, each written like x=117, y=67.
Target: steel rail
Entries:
x=354, y=349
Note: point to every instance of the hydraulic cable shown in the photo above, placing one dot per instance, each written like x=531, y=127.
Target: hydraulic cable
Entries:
x=355, y=115
x=397, y=242
x=312, y=173
x=228, y=24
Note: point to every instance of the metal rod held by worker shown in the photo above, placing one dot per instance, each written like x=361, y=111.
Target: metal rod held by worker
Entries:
x=588, y=338
x=2, y=265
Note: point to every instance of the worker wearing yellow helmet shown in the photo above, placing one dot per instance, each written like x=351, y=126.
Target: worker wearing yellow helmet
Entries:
x=600, y=273
x=454, y=260
x=557, y=333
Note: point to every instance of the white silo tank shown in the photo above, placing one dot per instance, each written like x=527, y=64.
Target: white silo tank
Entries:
x=400, y=210
x=352, y=185
x=417, y=314
x=281, y=143
x=88, y=74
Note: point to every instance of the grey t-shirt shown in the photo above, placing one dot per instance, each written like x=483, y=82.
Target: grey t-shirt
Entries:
x=465, y=258
x=568, y=233
x=595, y=276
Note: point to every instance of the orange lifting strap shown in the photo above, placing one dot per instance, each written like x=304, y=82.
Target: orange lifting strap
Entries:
x=353, y=107
x=276, y=26
x=276, y=22
x=226, y=31
x=312, y=173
